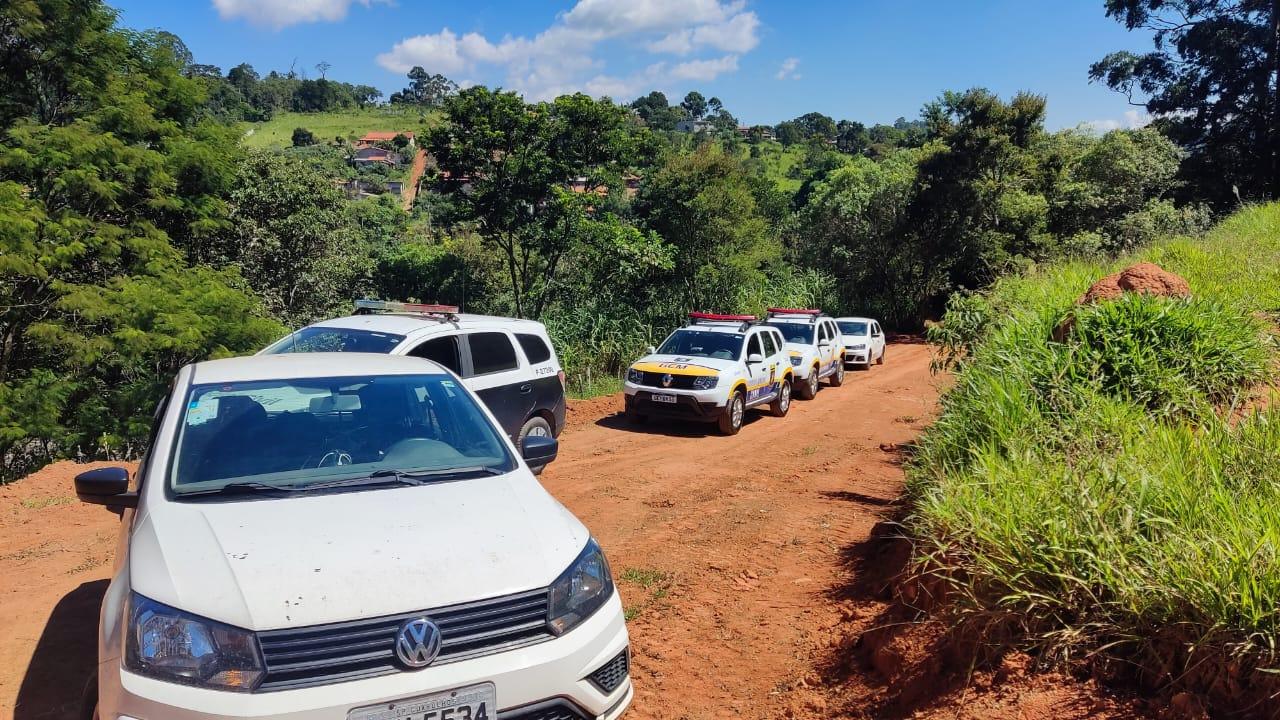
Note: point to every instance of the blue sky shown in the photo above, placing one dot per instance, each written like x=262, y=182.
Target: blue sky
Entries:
x=768, y=60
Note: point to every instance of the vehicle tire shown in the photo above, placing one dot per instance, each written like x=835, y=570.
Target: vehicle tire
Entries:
x=735, y=411
x=89, y=699
x=837, y=377
x=633, y=416
x=535, y=426
x=809, y=386
x=782, y=403
x=880, y=360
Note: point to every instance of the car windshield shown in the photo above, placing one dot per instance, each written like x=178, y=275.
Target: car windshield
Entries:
x=291, y=434
x=698, y=343
x=327, y=339
x=796, y=332
x=852, y=328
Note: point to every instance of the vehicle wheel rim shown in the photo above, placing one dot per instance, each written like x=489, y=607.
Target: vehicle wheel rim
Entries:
x=536, y=431
x=737, y=412
x=785, y=401
x=813, y=381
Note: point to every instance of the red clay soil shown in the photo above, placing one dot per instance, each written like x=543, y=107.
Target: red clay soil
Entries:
x=746, y=564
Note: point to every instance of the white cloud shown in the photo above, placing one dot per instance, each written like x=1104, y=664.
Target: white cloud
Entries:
x=563, y=58
x=787, y=71
x=1131, y=120
x=277, y=14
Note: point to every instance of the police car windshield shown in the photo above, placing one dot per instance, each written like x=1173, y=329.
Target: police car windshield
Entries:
x=326, y=339
x=291, y=435
x=697, y=343
x=853, y=328
x=795, y=332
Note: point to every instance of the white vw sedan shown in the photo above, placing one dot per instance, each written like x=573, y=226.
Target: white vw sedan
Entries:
x=348, y=536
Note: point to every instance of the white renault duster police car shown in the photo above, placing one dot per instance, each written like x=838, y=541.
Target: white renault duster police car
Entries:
x=813, y=344
x=712, y=370
x=347, y=537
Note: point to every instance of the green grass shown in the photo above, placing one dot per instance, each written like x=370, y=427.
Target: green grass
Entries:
x=775, y=162
x=656, y=583
x=278, y=131
x=1102, y=495
x=40, y=503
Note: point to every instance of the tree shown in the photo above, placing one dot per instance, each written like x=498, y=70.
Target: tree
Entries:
x=303, y=137
x=425, y=89
x=519, y=160
x=365, y=95
x=244, y=78
x=695, y=106
x=852, y=137
x=1213, y=82
x=323, y=68
x=655, y=111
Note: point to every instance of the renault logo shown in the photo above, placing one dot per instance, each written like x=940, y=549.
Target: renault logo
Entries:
x=418, y=643
x=666, y=380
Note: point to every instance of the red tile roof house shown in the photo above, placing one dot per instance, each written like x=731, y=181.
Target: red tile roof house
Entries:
x=384, y=136
x=373, y=154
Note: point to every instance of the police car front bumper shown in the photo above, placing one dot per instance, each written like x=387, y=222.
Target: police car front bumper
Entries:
x=699, y=405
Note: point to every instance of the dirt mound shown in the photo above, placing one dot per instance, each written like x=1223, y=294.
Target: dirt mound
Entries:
x=1143, y=278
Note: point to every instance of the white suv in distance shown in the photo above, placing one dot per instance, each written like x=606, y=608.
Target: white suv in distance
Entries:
x=814, y=347
x=509, y=363
x=713, y=370
x=348, y=537
x=863, y=341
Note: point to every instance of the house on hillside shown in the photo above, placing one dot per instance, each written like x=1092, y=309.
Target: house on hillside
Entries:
x=380, y=136
x=373, y=154
x=694, y=126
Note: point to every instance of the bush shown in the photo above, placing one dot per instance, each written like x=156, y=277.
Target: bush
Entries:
x=303, y=137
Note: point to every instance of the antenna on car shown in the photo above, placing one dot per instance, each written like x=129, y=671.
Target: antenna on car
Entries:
x=706, y=318
x=447, y=313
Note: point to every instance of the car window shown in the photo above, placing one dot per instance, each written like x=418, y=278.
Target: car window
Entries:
x=491, y=352
x=753, y=345
x=443, y=350
x=770, y=348
x=294, y=433
x=853, y=328
x=697, y=343
x=824, y=333
x=875, y=329
x=324, y=339
x=535, y=349
x=795, y=332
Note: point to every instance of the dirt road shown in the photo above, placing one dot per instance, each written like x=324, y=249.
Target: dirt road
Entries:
x=735, y=557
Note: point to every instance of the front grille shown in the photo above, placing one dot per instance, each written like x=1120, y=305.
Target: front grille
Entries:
x=678, y=382
x=363, y=648
x=610, y=675
x=549, y=710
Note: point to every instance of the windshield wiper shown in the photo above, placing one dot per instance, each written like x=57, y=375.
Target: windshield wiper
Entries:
x=403, y=477
x=242, y=488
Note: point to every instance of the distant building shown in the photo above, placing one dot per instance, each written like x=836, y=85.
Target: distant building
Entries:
x=372, y=138
x=374, y=154
x=693, y=126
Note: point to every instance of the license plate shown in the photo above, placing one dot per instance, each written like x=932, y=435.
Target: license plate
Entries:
x=658, y=397
x=476, y=702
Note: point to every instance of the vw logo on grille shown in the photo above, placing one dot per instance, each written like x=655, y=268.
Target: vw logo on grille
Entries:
x=418, y=643
x=666, y=380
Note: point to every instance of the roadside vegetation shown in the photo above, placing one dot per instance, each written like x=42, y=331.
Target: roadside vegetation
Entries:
x=327, y=125
x=1111, y=495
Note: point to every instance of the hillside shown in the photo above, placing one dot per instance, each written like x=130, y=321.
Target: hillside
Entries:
x=1109, y=498
x=278, y=131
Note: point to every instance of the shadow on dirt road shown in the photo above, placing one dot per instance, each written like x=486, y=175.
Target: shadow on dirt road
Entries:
x=63, y=660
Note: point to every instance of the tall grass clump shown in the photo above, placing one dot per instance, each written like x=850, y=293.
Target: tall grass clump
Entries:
x=1107, y=495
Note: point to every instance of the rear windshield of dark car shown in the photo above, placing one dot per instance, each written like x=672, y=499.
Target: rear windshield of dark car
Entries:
x=324, y=339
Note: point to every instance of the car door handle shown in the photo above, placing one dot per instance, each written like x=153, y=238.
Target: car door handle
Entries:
x=526, y=389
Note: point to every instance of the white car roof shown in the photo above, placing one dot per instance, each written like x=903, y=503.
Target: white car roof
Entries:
x=407, y=323
x=730, y=328
x=308, y=365
x=854, y=319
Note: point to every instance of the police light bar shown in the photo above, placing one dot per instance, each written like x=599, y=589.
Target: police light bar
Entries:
x=364, y=307
x=806, y=313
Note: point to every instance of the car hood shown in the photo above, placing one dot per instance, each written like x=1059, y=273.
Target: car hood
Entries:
x=298, y=561
x=848, y=341
x=683, y=364
x=800, y=348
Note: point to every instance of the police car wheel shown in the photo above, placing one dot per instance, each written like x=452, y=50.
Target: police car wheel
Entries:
x=837, y=377
x=880, y=360
x=734, y=413
x=809, y=386
x=782, y=403
x=634, y=417
x=534, y=427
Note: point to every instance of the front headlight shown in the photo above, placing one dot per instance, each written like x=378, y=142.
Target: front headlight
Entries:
x=580, y=591
x=858, y=346
x=635, y=377
x=796, y=360
x=172, y=645
x=705, y=382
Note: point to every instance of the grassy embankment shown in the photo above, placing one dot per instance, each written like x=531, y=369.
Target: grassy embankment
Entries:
x=278, y=131
x=1116, y=497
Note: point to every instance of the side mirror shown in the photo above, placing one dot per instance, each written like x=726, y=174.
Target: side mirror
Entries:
x=652, y=349
x=755, y=358
x=540, y=450
x=106, y=486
